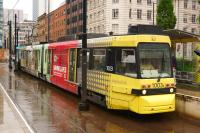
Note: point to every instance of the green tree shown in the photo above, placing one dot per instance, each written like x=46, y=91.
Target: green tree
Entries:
x=165, y=14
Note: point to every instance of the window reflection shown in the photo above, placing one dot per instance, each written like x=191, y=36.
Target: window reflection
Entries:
x=126, y=62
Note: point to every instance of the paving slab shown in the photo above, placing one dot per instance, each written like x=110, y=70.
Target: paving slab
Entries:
x=10, y=121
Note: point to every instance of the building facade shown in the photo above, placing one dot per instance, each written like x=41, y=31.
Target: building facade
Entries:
x=105, y=16
x=187, y=13
x=115, y=16
x=1, y=23
x=42, y=28
x=25, y=32
x=57, y=23
x=66, y=20
x=9, y=15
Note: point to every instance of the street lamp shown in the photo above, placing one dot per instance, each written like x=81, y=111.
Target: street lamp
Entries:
x=153, y=12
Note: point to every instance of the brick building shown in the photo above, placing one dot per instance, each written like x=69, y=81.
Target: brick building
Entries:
x=42, y=28
x=57, y=23
x=66, y=20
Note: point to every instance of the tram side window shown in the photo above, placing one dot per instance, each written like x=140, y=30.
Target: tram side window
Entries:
x=99, y=59
x=79, y=58
x=126, y=62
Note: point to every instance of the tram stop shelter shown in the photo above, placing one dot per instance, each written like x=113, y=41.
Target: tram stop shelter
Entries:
x=187, y=70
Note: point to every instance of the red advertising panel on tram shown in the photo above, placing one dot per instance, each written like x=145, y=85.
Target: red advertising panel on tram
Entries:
x=60, y=65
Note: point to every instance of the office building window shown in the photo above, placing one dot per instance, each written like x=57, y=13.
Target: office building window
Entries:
x=115, y=1
x=149, y=12
x=193, y=30
x=139, y=1
x=185, y=4
x=115, y=13
x=149, y=2
x=185, y=18
x=194, y=5
x=193, y=18
x=115, y=28
x=139, y=14
x=130, y=13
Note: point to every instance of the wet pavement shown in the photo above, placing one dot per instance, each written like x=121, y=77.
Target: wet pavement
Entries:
x=48, y=109
x=10, y=121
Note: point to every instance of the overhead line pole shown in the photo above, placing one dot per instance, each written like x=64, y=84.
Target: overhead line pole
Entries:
x=10, y=44
x=83, y=105
x=15, y=50
x=10, y=36
x=48, y=20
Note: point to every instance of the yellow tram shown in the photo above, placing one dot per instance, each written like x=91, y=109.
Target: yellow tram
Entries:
x=128, y=72
x=132, y=72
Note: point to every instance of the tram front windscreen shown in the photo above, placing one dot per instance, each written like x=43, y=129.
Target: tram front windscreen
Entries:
x=155, y=60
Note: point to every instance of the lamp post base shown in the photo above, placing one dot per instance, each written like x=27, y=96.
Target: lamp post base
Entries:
x=83, y=106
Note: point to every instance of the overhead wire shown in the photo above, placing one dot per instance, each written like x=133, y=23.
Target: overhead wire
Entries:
x=16, y=4
x=13, y=8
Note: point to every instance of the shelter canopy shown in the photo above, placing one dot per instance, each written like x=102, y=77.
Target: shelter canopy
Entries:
x=179, y=36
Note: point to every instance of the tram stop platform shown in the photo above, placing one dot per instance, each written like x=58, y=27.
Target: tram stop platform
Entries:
x=188, y=89
x=10, y=119
x=188, y=100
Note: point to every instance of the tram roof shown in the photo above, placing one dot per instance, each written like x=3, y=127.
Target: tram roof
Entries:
x=179, y=36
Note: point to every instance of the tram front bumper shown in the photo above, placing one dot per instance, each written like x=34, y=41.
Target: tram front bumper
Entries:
x=155, y=104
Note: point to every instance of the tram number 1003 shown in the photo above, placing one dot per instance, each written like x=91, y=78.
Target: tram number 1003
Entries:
x=158, y=85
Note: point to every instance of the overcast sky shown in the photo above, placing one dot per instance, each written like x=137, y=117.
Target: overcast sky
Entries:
x=26, y=5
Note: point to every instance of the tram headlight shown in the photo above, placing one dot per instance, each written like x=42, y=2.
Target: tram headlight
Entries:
x=171, y=90
x=144, y=92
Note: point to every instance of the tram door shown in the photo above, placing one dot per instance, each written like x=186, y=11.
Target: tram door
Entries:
x=48, y=59
x=72, y=65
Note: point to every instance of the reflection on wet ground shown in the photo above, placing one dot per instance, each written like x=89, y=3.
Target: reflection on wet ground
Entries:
x=10, y=122
x=1, y=108
x=51, y=110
